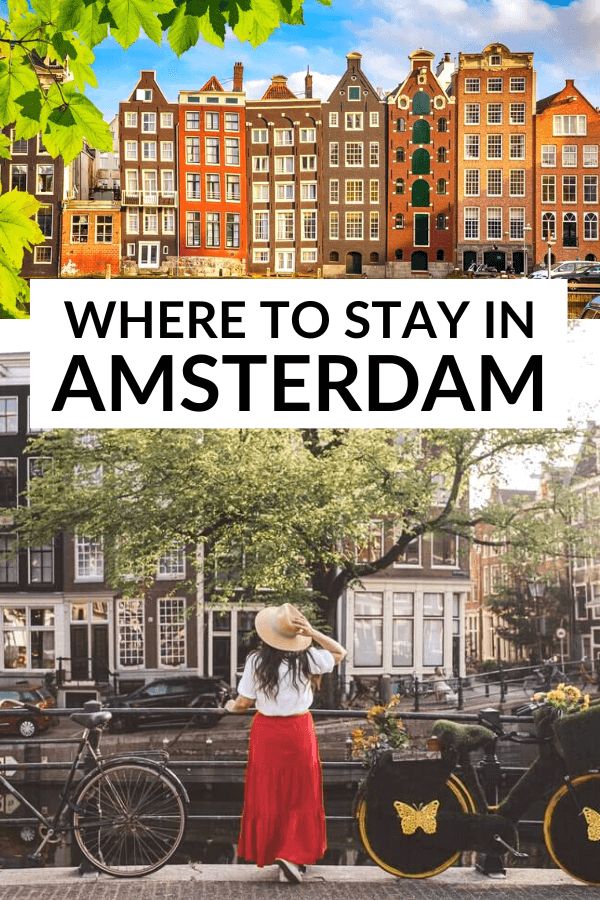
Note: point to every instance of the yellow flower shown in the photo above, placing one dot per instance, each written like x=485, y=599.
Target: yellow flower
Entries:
x=394, y=701
x=586, y=701
x=357, y=733
x=376, y=711
x=539, y=697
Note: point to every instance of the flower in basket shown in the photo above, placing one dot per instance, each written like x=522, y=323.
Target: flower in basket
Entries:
x=384, y=731
x=564, y=698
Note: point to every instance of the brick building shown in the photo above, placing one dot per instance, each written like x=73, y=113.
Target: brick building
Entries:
x=91, y=238
x=212, y=177
x=567, y=139
x=148, y=164
x=354, y=176
x=495, y=210
x=421, y=168
x=283, y=150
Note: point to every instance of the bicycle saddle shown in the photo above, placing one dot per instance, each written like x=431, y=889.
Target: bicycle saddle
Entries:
x=456, y=736
x=93, y=717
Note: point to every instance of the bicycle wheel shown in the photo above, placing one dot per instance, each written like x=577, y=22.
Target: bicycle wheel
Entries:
x=129, y=819
x=572, y=828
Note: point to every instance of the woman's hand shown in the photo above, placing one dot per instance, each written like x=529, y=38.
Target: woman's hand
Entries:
x=302, y=624
x=229, y=706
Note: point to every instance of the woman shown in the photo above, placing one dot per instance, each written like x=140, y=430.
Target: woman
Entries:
x=283, y=820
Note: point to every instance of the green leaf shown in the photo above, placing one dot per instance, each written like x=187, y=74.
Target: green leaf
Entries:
x=16, y=78
x=80, y=58
x=27, y=122
x=12, y=288
x=258, y=22
x=5, y=146
x=68, y=119
x=191, y=19
x=70, y=15
x=18, y=230
x=91, y=28
x=131, y=16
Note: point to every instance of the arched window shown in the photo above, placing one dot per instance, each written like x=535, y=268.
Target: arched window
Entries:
x=569, y=230
x=589, y=257
x=374, y=258
x=440, y=221
x=334, y=256
x=419, y=194
x=590, y=226
x=418, y=261
x=398, y=220
x=442, y=154
x=441, y=186
x=421, y=162
x=440, y=256
x=399, y=253
x=421, y=133
x=400, y=124
x=442, y=124
x=399, y=185
x=400, y=157
x=421, y=105
x=549, y=226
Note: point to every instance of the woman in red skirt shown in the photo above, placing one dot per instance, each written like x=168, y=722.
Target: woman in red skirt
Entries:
x=283, y=821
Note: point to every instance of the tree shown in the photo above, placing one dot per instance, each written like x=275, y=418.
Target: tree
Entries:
x=297, y=505
x=41, y=39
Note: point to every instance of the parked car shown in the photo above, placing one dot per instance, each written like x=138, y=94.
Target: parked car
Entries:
x=591, y=275
x=592, y=309
x=564, y=269
x=482, y=271
x=15, y=696
x=173, y=691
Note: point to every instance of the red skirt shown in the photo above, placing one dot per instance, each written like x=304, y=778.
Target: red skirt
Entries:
x=283, y=813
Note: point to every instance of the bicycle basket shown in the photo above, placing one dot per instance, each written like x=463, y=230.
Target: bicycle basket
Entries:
x=578, y=738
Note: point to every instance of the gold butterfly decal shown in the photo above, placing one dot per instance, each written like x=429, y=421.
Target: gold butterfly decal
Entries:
x=593, y=822
x=424, y=817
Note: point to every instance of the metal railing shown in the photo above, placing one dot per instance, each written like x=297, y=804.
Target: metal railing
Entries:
x=149, y=198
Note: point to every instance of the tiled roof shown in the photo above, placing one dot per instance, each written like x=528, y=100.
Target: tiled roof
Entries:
x=278, y=89
x=545, y=102
x=213, y=84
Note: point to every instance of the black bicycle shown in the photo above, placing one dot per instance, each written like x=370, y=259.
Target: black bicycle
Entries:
x=416, y=817
x=127, y=813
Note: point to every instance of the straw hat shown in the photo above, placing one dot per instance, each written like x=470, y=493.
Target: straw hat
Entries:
x=274, y=626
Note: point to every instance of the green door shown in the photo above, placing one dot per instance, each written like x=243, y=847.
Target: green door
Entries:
x=421, y=133
x=419, y=193
x=421, y=230
x=421, y=104
x=421, y=162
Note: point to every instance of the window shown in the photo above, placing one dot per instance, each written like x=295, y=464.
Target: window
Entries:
x=472, y=113
x=517, y=146
x=308, y=190
x=374, y=153
x=516, y=224
x=548, y=188
x=130, y=633
x=131, y=120
x=9, y=415
x=211, y=151
x=494, y=85
x=494, y=114
x=444, y=552
x=149, y=150
x=168, y=221
x=44, y=219
x=517, y=84
x=590, y=156
x=28, y=637
x=192, y=120
x=166, y=120
x=442, y=124
x=368, y=629
x=148, y=122
x=400, y=155
x=590, y=188
x=308, y=163
x=440, y=221
x=354, y=121
x=130, y=249
x=18, y=178
x=399, y=220
x=494, y=146
x=334, y=190
x=549, y=226
x=166, y=151
x=233, y=187
x=284, y=165
x=284, y=260
x=309, y=225
x=569, y=155
x=548, y=155
x=334, y=226
x=131, y=150
x=133, y=221
x=211, y=121
x=192, y=150
x=232, y=121
x=45, y=179
x=213, y=186
x=433, y=629
x=471, y=182
x=374, y=119
x=79, y=229
x=260, y=163
x=284, y=190
x=411, y=556
x=374, y=190
x=471, y=146
x=284, y=137
x=309, y=255
x=232, y=230
x=399, y=186
x=569, y=230
x=442, y=154
x=213, y=229
x=354, y=226
x=400, y=124
x=308, y=135
x=41, y=564
x=132, y=180
x=494, y=223
x=42, y=254
x=334, y=153
x=517, y=183
x=284, y=226
x=260, y=191
x=472, y=85
x=495, y=59
x=374, y=226
x=354, y=153
x=353, y=92
x=261, y=226
x=192, y=229
x=590, y=226
x=354, y=191
x=260, y=256
x=150, y=220
x=260, y=136
x=104, y=229
x=569, y=188
x=333, y=120
x=9, y=560
x=192, y=186
x=471, y=223
x=517, y=114
x=89, y=560
x=494, y=183
x=567, y=125
x=171, y=631
x=402, y=629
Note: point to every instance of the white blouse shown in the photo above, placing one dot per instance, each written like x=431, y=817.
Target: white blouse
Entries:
x=289, y=701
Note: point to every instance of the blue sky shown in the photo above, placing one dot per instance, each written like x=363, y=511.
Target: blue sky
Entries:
x=564, y=34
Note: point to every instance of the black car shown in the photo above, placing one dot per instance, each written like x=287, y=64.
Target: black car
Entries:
x=592, y=309
x=590, y=275
x=175, y=692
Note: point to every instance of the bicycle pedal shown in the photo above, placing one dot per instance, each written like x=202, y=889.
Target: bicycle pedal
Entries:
x=518, y=854
x=34, y=860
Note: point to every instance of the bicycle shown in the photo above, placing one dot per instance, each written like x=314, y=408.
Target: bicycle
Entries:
x=415, y=818
x=127, y=813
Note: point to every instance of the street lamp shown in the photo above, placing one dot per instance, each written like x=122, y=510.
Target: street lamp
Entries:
x=537, y=589
x=526, y=228
x=550, y=242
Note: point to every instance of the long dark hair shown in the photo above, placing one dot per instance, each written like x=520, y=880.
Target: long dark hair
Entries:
x=268, y=661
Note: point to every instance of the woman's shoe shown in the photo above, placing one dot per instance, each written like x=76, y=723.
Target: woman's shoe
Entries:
x=290, y=870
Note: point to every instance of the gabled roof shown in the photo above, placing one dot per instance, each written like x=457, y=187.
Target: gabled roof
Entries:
x=213, y=84
x=278, y=89
x=568, y=90
x=545, y=102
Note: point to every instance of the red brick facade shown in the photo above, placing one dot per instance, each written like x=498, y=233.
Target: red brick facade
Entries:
x=91, y=238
